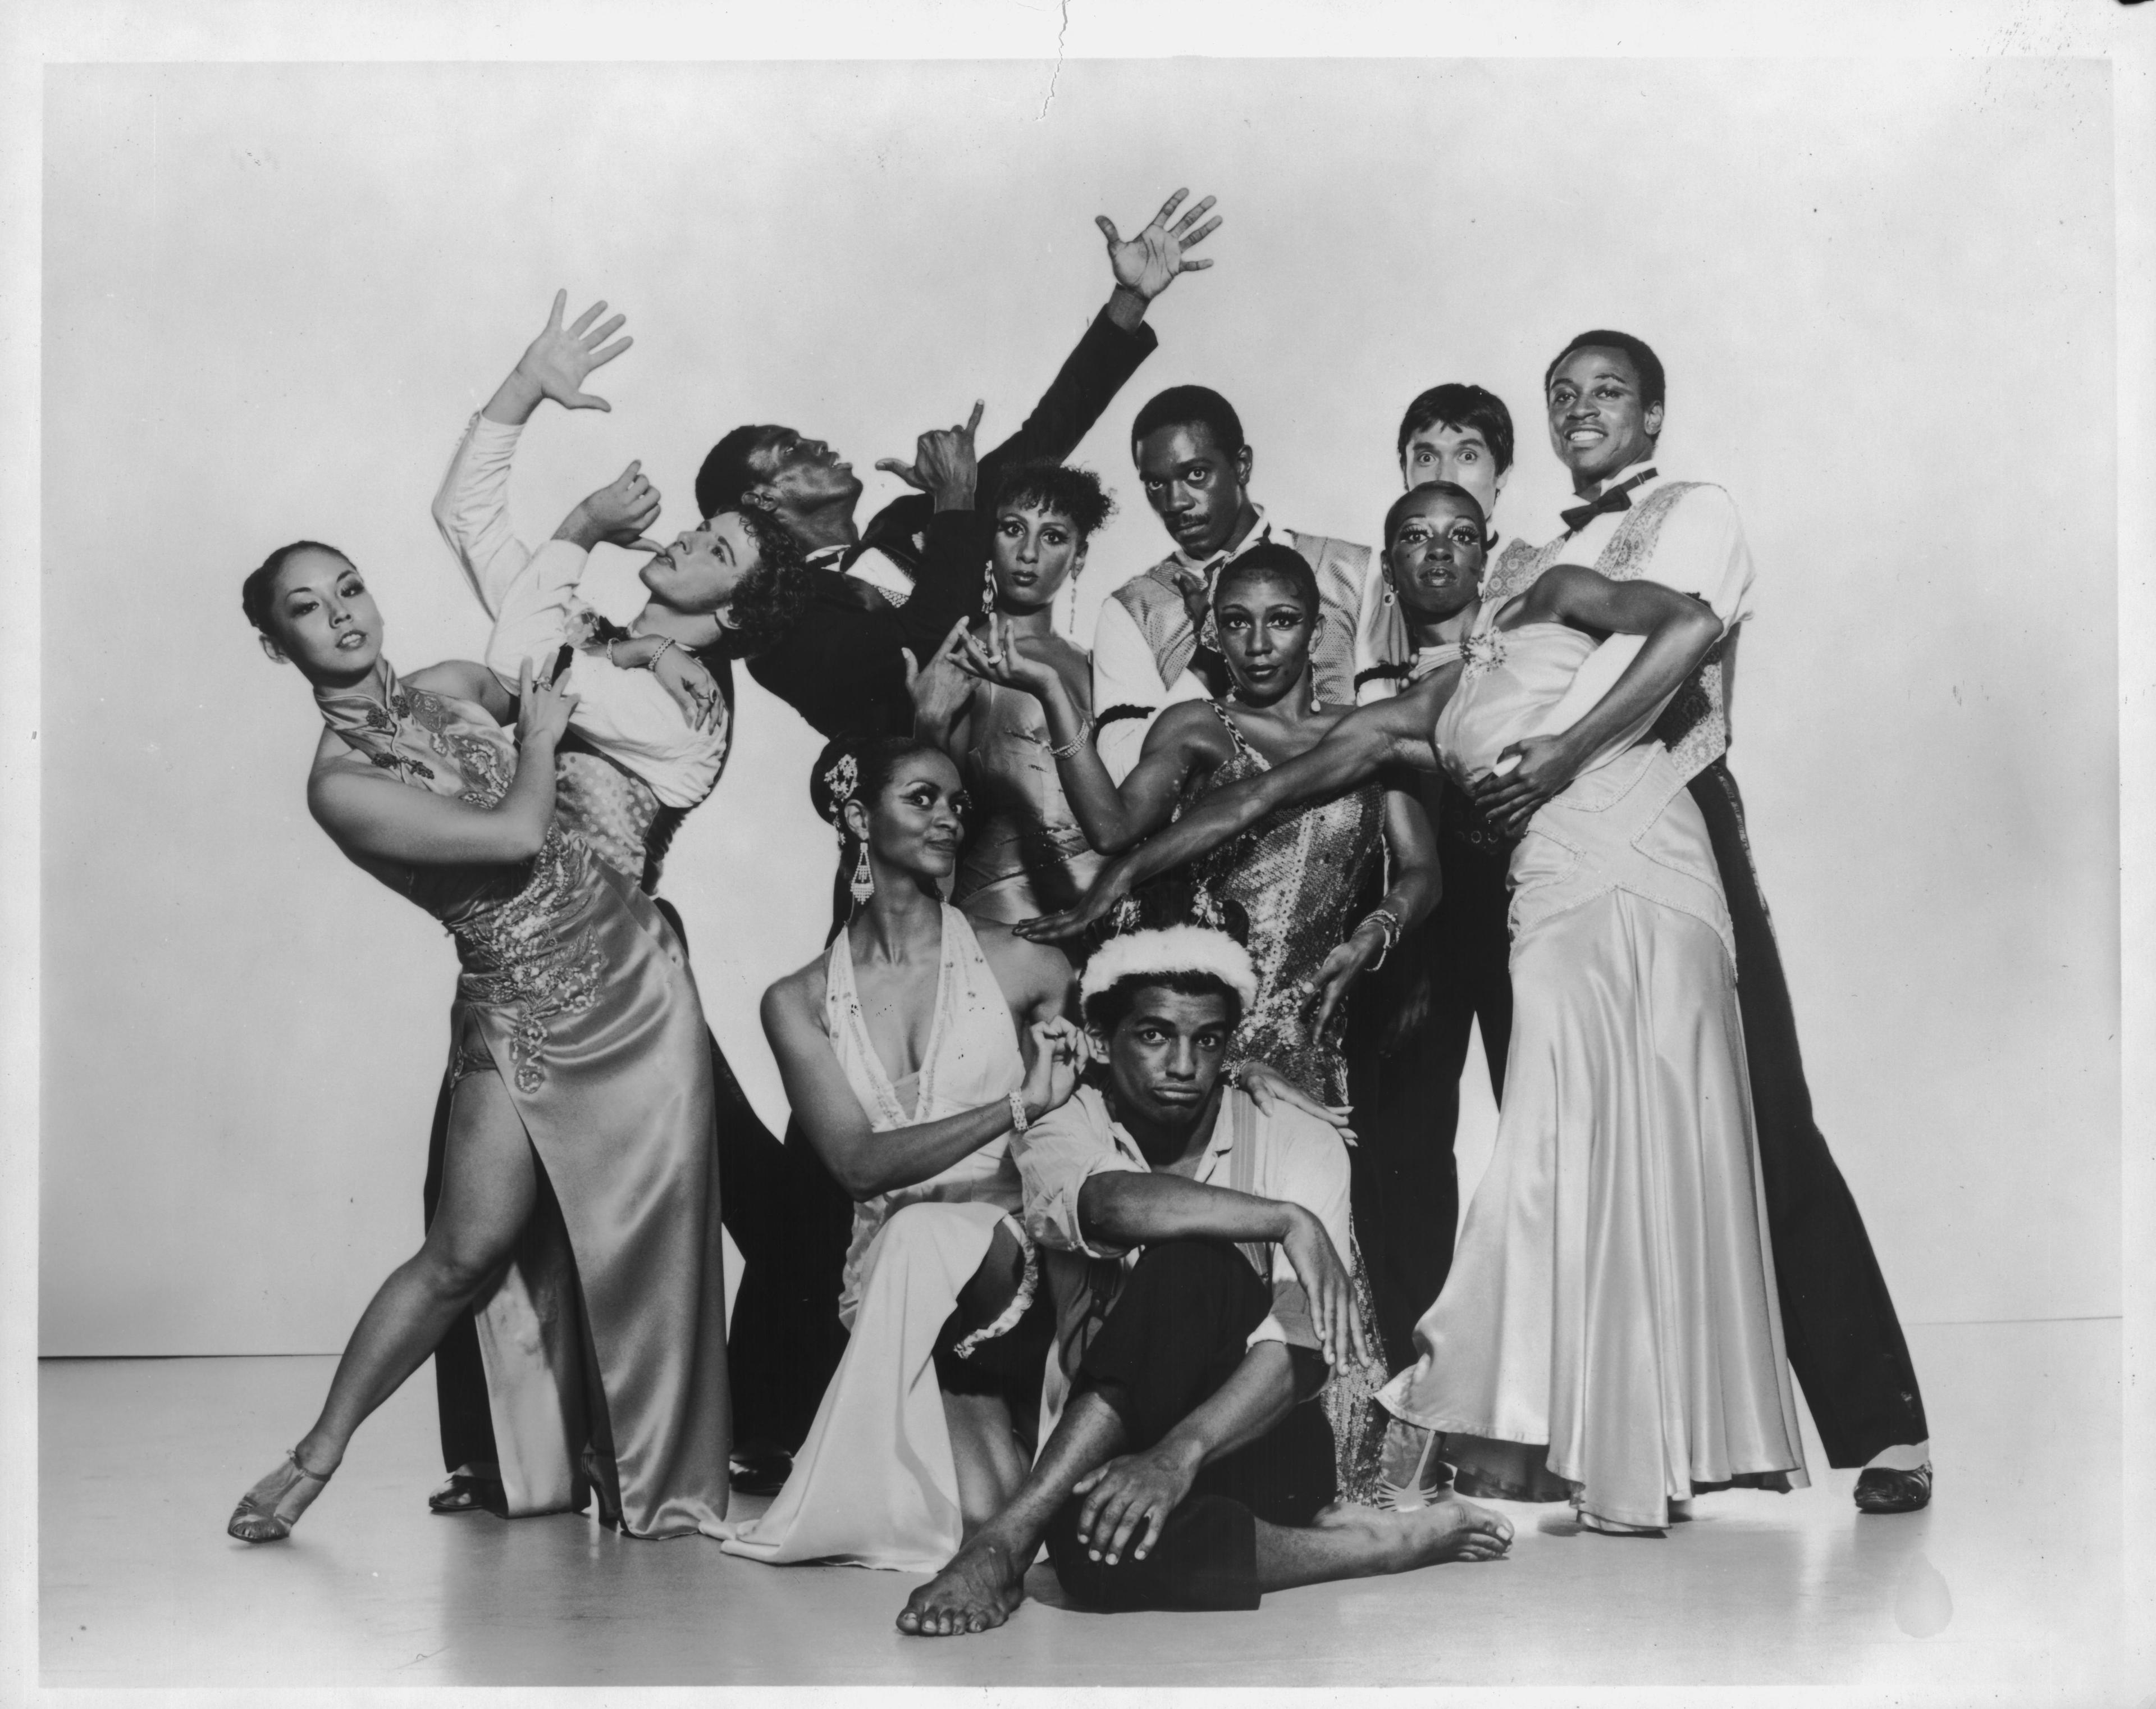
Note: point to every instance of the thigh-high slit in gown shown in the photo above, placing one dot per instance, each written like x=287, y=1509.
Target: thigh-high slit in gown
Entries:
x=604, y=1342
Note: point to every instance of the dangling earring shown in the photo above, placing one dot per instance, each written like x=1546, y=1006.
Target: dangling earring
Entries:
x=864, y=880
x=1389, y=594
x=989, y=591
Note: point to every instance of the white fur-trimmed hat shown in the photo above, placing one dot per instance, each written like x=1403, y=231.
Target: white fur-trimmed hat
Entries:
x=1164, y=950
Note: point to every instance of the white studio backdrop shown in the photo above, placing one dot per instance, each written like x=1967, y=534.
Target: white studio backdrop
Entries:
x=273, y=294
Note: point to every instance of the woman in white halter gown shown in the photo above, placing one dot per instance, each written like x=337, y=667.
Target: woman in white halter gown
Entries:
x=882, y=1480
x=1610, y=1317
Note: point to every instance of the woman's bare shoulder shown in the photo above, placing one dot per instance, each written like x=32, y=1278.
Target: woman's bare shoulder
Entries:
x=800, y=993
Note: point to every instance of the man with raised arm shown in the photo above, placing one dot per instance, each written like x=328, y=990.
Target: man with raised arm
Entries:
x=1193, y=1251
x=1605, y=394
x=646, y=746
x=871, y=596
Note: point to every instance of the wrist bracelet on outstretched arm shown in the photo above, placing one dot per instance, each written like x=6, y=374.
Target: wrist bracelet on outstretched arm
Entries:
x=1019, y=1121
x=1389, y=925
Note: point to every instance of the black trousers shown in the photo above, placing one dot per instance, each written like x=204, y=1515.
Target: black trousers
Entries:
x=1406, y=1182
x=1844, y=1341
x=790, y=1221
x=1175, y=1334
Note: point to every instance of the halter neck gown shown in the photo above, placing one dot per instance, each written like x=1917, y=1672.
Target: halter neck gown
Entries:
x=576, y=993
x=874, y=1485
x=1610, y=1317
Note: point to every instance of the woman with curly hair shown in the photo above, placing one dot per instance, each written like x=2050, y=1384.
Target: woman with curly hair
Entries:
x=1027, y=854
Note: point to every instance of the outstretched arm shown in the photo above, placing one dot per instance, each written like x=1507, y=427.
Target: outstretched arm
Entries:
x=1679, y=630
x=1113, y=817
x=1356, y=750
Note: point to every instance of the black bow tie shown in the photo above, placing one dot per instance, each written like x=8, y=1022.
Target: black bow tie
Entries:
x=1616, y=498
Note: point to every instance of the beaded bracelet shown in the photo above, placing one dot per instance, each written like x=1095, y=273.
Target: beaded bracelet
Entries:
x=664, y=643
x=1019, y=1124
x=1070, y=750
x=1389, y=923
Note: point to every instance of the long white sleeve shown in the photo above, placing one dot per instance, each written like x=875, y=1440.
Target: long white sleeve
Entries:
x=627, y=715
x=1124, y=674
x=472, y=511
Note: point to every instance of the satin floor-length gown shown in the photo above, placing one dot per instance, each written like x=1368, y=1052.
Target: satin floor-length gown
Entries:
x=876, y=1484
x=1610, y=1317
x=604, y=1344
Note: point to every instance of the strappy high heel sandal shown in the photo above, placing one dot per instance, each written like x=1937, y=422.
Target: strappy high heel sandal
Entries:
x=267, y=1514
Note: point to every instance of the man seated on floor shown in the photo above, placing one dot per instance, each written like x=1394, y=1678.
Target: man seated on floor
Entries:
x=1193, y=1246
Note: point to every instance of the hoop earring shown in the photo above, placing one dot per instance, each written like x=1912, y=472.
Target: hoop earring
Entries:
x=864, y=880
x=1389, y=594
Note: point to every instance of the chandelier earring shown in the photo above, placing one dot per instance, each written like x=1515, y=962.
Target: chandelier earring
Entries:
x=864, y=880
x=988, y=590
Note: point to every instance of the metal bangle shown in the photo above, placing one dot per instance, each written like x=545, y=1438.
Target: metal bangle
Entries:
x=1388, y=926
x=1070, y=750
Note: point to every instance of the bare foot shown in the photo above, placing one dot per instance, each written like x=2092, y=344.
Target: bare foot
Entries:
x=1447, y=1530
x=977, y=1590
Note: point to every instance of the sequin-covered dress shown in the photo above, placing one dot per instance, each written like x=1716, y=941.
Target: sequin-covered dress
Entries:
x=1297, y=876
x=576, y=993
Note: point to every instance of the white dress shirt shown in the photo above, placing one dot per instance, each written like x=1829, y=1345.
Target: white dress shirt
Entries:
x=627, y=715
x=1700, y=551
x=1124, y=670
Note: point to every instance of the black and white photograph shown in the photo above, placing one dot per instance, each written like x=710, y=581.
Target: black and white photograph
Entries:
x=1024, y=846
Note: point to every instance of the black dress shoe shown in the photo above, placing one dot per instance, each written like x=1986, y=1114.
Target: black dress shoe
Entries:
x=761, y=1473
x=1879, y=1489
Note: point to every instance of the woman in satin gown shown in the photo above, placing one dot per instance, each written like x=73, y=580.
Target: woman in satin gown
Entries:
x=1610, y=1328
x=910, y=1050
x=579, y=1213
x=1027, y=853
x=1297, y=876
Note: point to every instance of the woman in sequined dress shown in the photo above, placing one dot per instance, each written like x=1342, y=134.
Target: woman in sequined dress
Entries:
x=1027, y=853
x=1610, y=1331
x=1297, y=875
x=579, y=1216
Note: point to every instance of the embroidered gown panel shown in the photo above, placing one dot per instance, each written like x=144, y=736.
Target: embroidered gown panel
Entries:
x=576, y=990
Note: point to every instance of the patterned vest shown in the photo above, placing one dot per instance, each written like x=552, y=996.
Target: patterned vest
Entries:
x=1693, y=726
x=1156, y=604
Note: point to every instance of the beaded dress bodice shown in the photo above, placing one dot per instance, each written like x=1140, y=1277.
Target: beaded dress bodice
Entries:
x=1297, y=876
x=517, y=925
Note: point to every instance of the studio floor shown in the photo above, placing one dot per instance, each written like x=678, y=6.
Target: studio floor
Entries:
x=1993, y=1595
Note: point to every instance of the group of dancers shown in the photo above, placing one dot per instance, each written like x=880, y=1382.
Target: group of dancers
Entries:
x=1116, y=1210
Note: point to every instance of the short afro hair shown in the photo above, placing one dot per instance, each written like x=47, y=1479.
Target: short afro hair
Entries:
x=726, y=474
x=1449, y=489
x=1458, y=404
x=1645, y=362
x=1270, y=558
x=769, y=601
x=1191, y=406
x=1075, y=494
